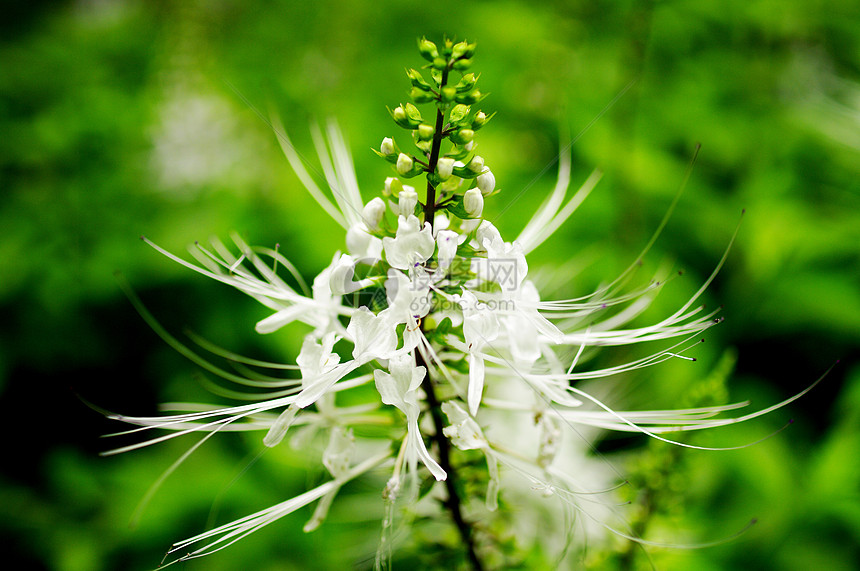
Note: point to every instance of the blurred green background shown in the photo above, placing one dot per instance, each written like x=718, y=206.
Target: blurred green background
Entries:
x=121, y=118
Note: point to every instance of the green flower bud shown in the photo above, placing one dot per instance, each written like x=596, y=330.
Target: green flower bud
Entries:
x=460, y=152
x=406, y=116
x=470, y=97
x=418, y=95
x=428, y=49
x=425, y=145
x=467, y=83
x=459, y=50
x=479, y=120
x=413, y=114
x=440, y=63
x=463, y=136
x=404, y=163
x=436, y=75
x=458, y=113
x=425, y=132
x=462, y=64
x=417, y=79
x=448, y=93
x=447, y=48
x=450, y=185
x=463, y=50
x=399, y=115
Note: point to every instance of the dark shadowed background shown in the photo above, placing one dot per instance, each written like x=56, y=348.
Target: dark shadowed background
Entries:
x=122, y=118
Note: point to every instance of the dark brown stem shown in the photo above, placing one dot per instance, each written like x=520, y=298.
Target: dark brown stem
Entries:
x=452, y=502
x=430, y=205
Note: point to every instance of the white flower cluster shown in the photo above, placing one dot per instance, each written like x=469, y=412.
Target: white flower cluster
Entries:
x=452, y=305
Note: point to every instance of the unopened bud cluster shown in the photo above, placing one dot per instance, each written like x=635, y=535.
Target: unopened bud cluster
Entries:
x=445, y=141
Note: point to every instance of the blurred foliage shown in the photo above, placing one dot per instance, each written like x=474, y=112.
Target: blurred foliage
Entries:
x=122, y=117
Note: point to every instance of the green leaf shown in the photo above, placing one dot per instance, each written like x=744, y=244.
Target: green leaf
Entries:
x=444, y=326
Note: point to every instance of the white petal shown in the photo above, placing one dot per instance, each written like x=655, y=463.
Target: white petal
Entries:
x=279, y=429
x=279, y=319
x=412, y=244
x=476, y=382
x=361, y=244
x=417, y=444
x=374, y=336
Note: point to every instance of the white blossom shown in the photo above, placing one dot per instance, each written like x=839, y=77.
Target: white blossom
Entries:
x=341, y=274
x=447, y=242
x=400, y=388
x=413, y=244
x=362, y=244
x=521, y=396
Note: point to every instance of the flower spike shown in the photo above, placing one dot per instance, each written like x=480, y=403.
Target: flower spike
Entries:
x=433, y=333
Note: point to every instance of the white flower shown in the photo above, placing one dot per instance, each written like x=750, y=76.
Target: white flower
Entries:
x=480, y=327
x=465, y=434
x=447, y=241
x=470, y=225
x=362, y=244
x=372, y=335
x=387, y=146
x=413, y=244
x=400, y=389
x=317, y=363
x=525, y=355
x=340, y=277
x=504, y=264
x=392, y=186
x=526, y=327
x=316, y=359
x=408, y=299
x=337, y=458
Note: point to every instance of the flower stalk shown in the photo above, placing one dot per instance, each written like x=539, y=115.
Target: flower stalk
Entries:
x=452, y=502
x=430, y=204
